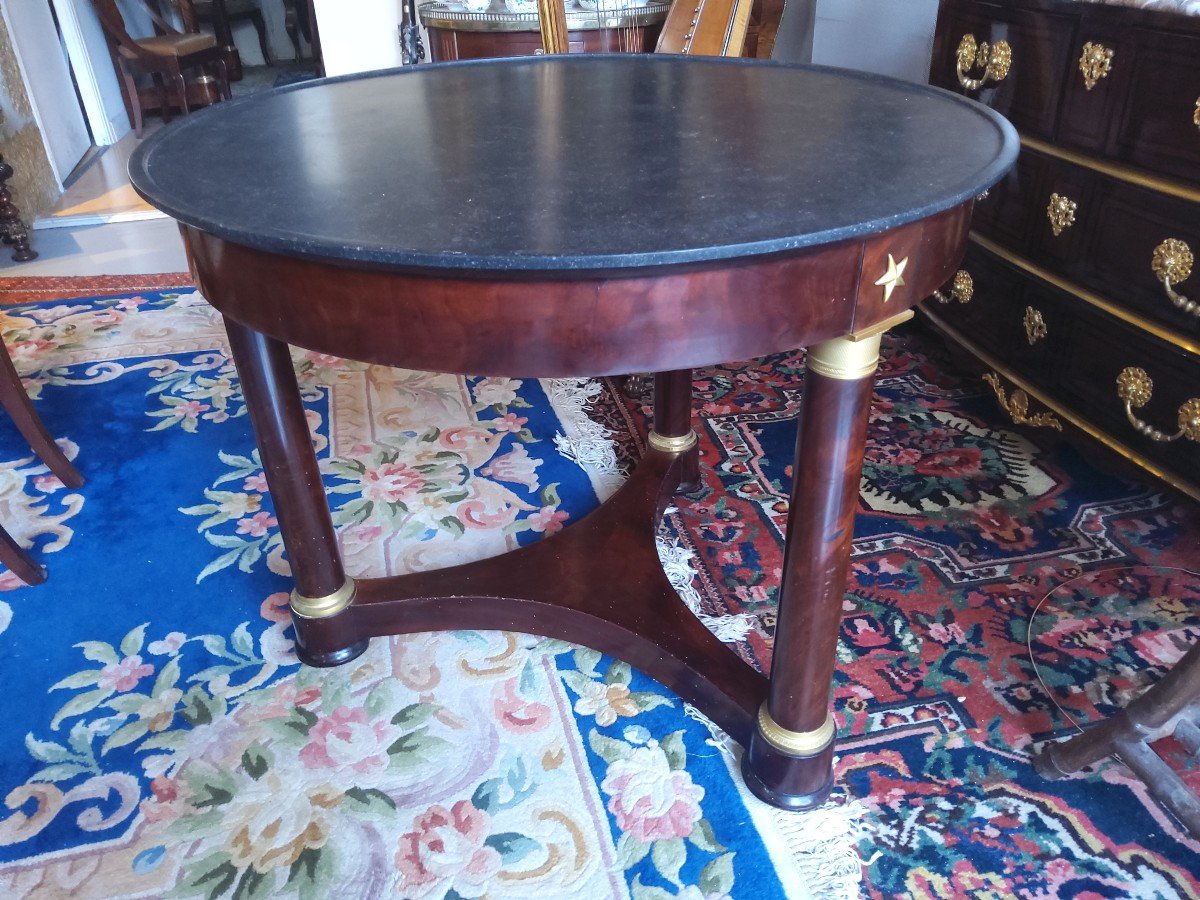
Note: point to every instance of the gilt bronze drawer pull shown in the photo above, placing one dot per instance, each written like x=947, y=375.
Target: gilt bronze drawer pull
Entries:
x=1094, y=63
x=1061, y=213
x=1172, y=263
x=1017, y=406
x=1135, y=388
x=994, y=59
x=1035, y=325
x=961, y=288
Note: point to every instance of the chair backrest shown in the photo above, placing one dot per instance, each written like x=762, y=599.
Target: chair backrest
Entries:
x=715, y=28
x=113, y=22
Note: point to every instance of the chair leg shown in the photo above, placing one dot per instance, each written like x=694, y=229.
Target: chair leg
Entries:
x=223, y=77
x=166, y=98
x=256, y=19
x=180, y=85
x=18, y=561
x=16, y=402
x=135, y=99
x=291, y=24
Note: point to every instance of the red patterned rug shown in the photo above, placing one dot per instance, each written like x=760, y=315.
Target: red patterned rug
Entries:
x=966, y=524
x=34, y=289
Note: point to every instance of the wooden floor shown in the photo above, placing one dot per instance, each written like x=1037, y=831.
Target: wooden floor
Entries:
x=102, y=192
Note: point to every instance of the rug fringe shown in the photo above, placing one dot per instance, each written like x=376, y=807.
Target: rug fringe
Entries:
x=585, y=442
x=821, y=844
x=677, y=563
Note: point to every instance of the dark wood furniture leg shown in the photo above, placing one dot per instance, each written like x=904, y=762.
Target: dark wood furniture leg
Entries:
x=260, y=26
x=291, y=23
x=17, y=561
x=322, y=590
x=223, y=32
x=789, y=762
x=11, y=227
x=313, y=34
x=672, y=431
x=19, y=407
x=1170, y=707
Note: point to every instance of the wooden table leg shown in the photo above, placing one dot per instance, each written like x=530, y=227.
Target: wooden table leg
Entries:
x=789, y=762
x=672, y=432
x=322, y=593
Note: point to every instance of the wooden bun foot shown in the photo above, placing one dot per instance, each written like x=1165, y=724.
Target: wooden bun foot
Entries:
x=331, y=658
x=789, y=782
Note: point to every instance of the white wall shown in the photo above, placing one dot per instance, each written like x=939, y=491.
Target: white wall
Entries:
x=891, y=37
x=93, y=68
x=359, y=35
x=48, y=82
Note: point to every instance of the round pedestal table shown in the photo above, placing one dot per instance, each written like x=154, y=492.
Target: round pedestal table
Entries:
x=586, y=216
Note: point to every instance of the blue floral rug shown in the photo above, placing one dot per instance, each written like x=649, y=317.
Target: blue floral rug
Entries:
x=160, y=738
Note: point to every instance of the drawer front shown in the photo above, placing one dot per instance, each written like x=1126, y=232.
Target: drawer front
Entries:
x=1101, y=350
x=1064, y=210
x=1102, y=58
x=1040, y=45
x=1117, y=239
x=1158, y=126
x=989, y=317
x=1013, y=317
x=1124, y=228
x=1010, y=212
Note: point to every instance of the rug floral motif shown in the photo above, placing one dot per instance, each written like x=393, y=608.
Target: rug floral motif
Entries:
x=167, y=743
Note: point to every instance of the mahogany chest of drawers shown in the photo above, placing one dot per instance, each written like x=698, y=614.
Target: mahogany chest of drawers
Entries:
x=1077, y=289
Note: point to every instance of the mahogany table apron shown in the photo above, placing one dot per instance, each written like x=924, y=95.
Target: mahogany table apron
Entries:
x=586, y=216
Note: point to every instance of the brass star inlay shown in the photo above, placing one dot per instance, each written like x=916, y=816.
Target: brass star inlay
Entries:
x=891, y=278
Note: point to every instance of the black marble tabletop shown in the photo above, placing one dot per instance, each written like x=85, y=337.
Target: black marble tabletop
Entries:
x=572, y=163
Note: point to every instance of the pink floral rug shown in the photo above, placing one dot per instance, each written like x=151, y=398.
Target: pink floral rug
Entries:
x=160, y=737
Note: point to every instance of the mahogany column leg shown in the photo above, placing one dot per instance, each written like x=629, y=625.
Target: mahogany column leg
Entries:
x=322, y=595
x=672, y=432
x=789, y=762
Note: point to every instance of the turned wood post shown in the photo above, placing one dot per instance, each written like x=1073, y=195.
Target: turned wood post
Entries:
x=322, y=590
x=11, y=226
x=790, y=759
x=672, y=431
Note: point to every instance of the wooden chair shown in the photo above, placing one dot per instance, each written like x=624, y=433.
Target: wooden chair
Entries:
x=14, y=399
x=1169, y=708
x=164, y=57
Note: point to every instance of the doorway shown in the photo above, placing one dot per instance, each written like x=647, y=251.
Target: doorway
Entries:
x=57, y=105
